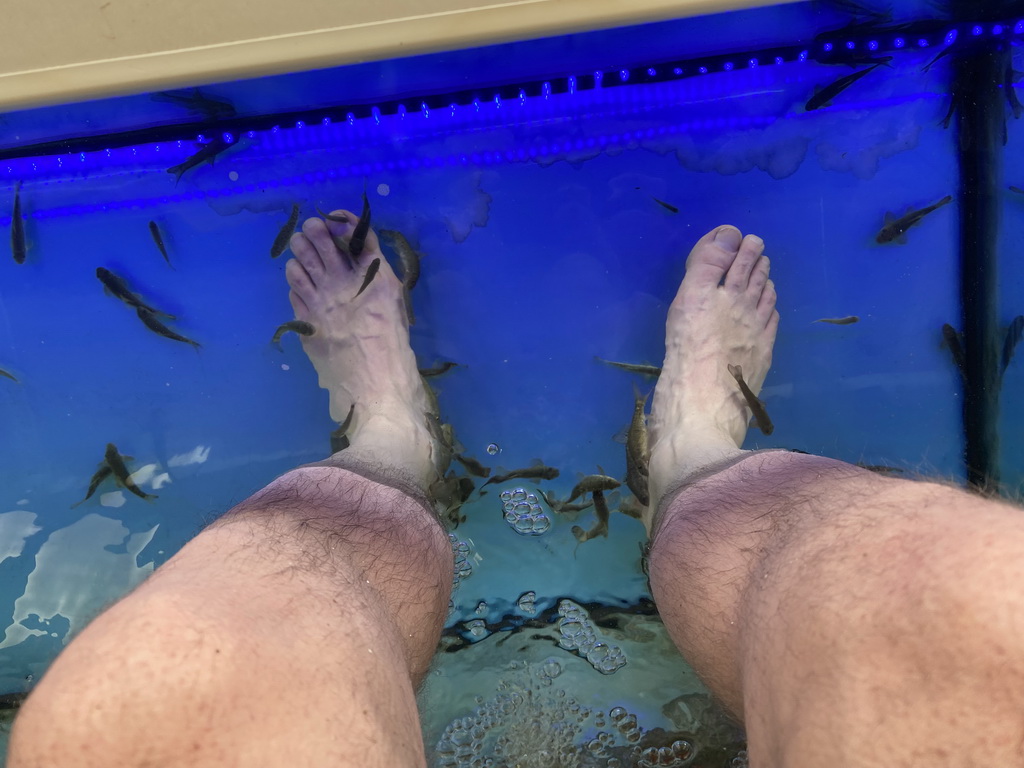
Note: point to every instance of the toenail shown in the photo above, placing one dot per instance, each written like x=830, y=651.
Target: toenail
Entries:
x=729, y=238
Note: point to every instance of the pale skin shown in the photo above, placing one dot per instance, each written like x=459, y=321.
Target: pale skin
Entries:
x=847, y=619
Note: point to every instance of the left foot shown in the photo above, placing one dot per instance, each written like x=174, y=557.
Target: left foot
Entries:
x=361, y=350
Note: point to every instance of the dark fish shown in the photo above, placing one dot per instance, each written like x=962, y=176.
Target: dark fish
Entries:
x=300, y=327
x=881, y=469
x=667, y=206
x=409, y=258
x=154, y=230
x=101, y=474
x=1018, y=190
x=956, y=349
x=600, y=528
x=7, y=375
x=281, y=241
x=825, y=95
x=473, y=466
x=339, y=218
x=118, y=287
x=116, y=463
x=19, y=246
x=357, y=242
x=536, y=472
x=1013, y=336
x=206, y=154
x=563, y=506
x=593, y=484
x=643, y=370
x=147, y=317
x=895, y=229
x=753, y=402
x=839, y=320
x=636, y=450
x=209, y=106
x=339, y=440
x=438, y=370
x=370, y=274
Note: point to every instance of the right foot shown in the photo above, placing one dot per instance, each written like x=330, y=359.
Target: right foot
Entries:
x=724, y=314
x=361, y=350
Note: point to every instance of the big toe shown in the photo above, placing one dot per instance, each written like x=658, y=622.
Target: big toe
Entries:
x=713, y=255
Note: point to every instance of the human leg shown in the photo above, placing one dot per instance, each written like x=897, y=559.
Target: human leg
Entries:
x=847, y=618
x=294, y=630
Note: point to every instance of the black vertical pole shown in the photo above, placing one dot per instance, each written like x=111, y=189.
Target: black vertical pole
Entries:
x=978, y=77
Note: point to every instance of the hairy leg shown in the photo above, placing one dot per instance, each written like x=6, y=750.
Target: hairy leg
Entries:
x=294, y=630
x=846, y=618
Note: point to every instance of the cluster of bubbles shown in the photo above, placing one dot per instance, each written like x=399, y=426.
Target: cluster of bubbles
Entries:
x=677, y=755
x=577, y=634
x=463, y=567
x=524, y=513
x=527, y=603
x=476, y=629
x=740, y=761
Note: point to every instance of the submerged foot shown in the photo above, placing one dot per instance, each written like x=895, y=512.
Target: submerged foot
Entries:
x=723, y=314
x=360, y=349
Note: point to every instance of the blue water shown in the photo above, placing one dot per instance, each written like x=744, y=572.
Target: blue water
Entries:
x=543, y=248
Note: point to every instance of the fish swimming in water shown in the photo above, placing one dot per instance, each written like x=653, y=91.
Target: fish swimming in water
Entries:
x=667, y=206
x=118, y=287
x=824, y=96
x=1018, y=190
x=753, y=402
x=19, y=245
x=636, y=450
x=357, y=241
x=850, y=320
x=536, y=472
x=210, y=107
x=116, y=462
x=1013, y=336
x=8, y=375
x=338, y=218
x=438, y=370
x=409, y=258
x=285, y=235
x=956, y=348
x=151, y=322
x=600, y=528
x=565, y=507
x=339, y=439
x=100, y=475
x=473, y=466
x=205, y=155
x=895, y=229
x=154, y=230
x=593, y=484
x=371, y=273
x=644, y=370
x=300, y=327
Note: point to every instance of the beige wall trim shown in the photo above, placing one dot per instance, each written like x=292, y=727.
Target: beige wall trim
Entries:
x=56, y=52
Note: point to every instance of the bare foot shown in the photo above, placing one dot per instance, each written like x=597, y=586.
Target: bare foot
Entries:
x=361, y=350
x=723, y=314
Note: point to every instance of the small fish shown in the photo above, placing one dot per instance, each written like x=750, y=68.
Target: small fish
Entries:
x=209, y=106
x=438, y=370
x=206, y=154
x=824, y=96
x=100, y=475
x=19, y=246
x=536, y=472
x=895, y=229
x=337, y=218
x=753, y=402
x=667, y=206
x=636, y=450
x=881, y=469
x=115, y=461
x=151, y=322
x=8, y=375
x=357, y=242
x=339, y=440
x=849, y=320
x=644, y=370
x=154, y=230
x=632, y=507
x=1013, y=336
x=593, y=484
x=370, y=274
x=285, y=235
x=564, y=507
x=473, y=466
x=600, y=528
x=409, y=258
x=1018, y=190
x=118, y=287
x=300, y=327
x=956, y=348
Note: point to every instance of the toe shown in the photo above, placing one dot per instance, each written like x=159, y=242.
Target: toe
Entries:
x=306, y=252
x=750, y=252
x=712, y=256
x=766, y=304
x=759, y=277
x=300, y=283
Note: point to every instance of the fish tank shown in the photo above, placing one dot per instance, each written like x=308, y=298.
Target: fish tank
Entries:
x=550, y=188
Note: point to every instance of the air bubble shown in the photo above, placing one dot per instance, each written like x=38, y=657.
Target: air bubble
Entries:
x=493, y=449
x=615, y=714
